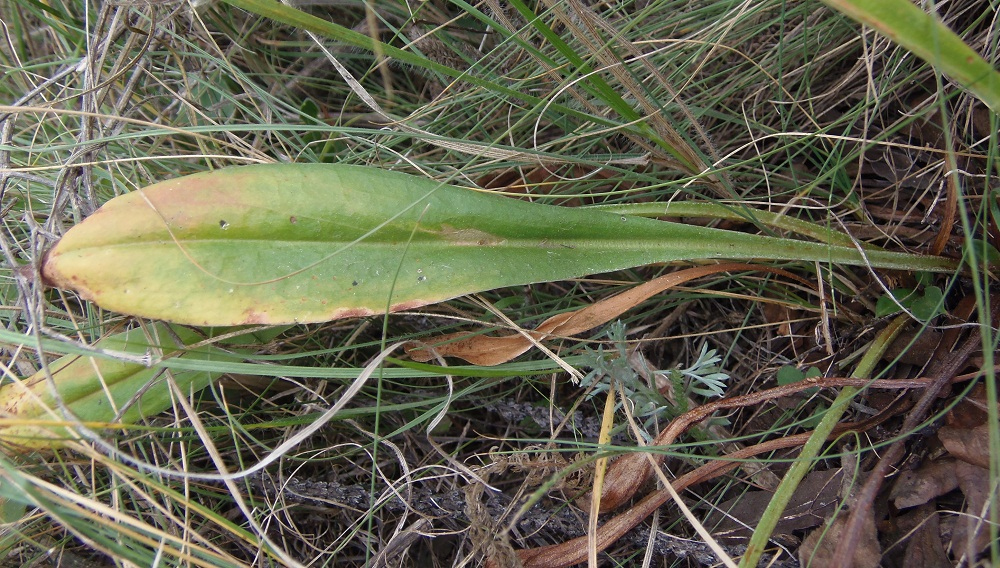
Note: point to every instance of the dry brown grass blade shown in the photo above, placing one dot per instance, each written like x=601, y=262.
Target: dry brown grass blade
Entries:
x=950, y=206
x=489, y=350
x=607, y=422
x=627, y=474
x=573, y=551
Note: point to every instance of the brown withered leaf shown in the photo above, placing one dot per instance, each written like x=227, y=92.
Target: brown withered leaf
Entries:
x=971, y=533
x=814, y=499
x=489, y=350
x=924, y=547
x=781, y=315
x=818, y=548
x=916, y=487
x=914, y=346
x=969, y=445
x=971, y=410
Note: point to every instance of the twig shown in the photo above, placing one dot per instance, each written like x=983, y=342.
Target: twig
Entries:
x=630, y=471
x=571, y=552
x=864, y=500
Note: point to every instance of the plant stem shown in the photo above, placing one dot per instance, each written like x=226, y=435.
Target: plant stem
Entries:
x=775, y=509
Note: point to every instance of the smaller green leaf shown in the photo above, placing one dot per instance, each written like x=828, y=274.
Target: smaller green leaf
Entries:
x=309, y=108
x=888, y=304
x=985, y=253
x=924, y=306
x=789, y=374
x=310, y=112
x=928, y=305
x=99, y=391
x=924, y=279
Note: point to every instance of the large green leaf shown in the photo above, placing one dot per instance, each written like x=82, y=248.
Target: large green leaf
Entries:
x=287, y=243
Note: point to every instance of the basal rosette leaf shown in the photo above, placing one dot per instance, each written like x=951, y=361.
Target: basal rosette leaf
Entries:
x=101, y=391
x=296, y=243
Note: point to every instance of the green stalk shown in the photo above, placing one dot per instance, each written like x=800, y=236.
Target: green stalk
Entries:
x=736, y=213
x=811, y=449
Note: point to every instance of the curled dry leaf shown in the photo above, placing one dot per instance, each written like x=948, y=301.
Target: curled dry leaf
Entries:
x=970, y=445
x=924, y=547
x=812, y=501
x=817, y=550
x=914, y=346
x=971, y=533
x=919, y=486
x=970, y=410
x=487, y=350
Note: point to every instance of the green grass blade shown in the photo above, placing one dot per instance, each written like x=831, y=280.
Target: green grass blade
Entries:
x=294, y=17
x=929, y=39
x=599, y=86
x=295, y=243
